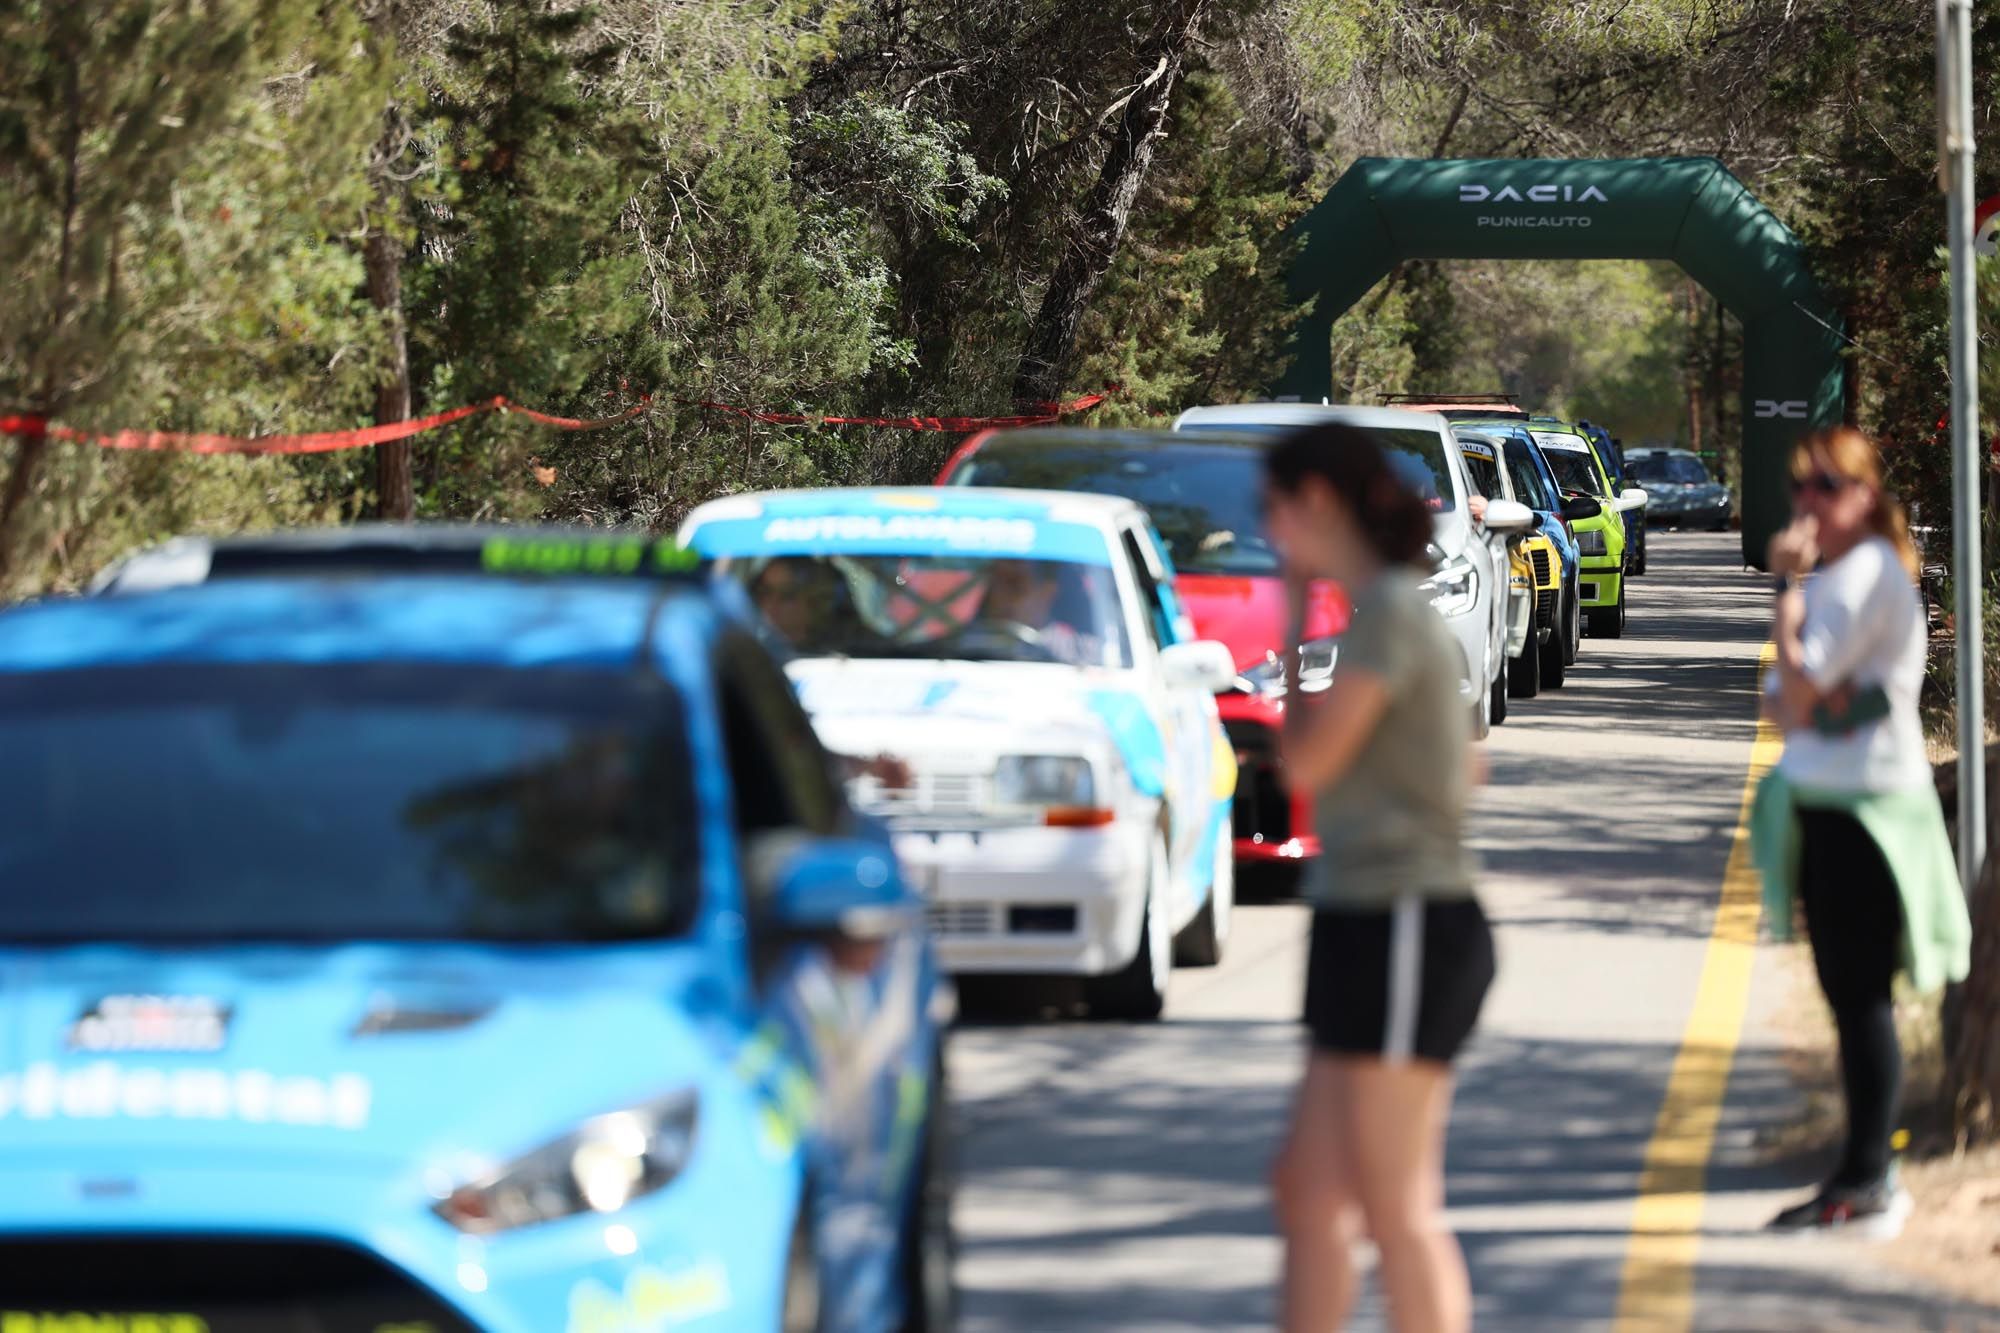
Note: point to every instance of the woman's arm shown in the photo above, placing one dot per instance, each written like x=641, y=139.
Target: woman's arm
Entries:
x=1322, y=739
x=1797, y=696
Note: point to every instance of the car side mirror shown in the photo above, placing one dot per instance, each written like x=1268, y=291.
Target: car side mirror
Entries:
x=1577, y=508
x=1508, y=516
x=1629, y=498
x=843, y=886
x=1201, y=665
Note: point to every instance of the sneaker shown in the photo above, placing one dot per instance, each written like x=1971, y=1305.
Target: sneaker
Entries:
x=1871, y=1212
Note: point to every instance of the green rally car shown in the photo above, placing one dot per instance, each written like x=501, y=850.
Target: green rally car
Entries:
x=1600, y=541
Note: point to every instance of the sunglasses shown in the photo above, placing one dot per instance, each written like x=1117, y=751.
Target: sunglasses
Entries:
x=1819, y=483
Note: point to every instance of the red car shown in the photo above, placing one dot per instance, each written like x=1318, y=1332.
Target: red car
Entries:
x=1204, y=491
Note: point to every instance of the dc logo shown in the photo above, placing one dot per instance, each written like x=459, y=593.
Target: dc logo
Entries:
x=1791, y=409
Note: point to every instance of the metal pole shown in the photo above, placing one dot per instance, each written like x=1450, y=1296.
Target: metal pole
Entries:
x=1968, y=577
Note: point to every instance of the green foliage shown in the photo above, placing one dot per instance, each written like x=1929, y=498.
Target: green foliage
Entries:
x=175, y=182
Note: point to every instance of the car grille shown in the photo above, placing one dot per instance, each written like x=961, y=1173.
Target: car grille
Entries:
x=959, y=919
x=1263, y=805
x=1539, y=557
x=219, y=1285
x=930, y=795
x=1545, y=608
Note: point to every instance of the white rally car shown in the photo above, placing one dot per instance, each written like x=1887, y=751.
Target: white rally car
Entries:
x=1471, y=585
x=1060, y=784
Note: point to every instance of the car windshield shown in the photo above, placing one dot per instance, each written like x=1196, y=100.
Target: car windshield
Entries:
x=965, y=608
x=1530, y=487
x=1204, y=498
x=1575, y=469
x=332, y=803
x=1416, y=454
x=1679, y=469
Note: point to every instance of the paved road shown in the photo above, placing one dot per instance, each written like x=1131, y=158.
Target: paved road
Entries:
x=1114, y=1175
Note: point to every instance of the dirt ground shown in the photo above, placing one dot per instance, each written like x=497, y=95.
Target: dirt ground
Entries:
x=1953, y=1240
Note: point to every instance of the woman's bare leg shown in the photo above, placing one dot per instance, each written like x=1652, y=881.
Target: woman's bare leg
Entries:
x=1395, y=1117
x=1317, y=1209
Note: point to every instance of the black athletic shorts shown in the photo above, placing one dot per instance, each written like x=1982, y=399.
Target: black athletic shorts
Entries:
x=1401, y=983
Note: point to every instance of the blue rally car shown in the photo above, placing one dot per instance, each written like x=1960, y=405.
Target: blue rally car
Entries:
x=415, y=952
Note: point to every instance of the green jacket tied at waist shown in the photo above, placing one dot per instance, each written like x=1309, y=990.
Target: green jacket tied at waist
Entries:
x=1909, y=828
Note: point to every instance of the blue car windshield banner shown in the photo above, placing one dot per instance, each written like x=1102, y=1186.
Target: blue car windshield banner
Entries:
x=902, y=533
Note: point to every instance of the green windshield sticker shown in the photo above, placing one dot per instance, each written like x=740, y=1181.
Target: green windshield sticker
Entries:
x=586, y=555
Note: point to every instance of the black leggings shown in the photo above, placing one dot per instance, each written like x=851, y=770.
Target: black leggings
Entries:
x=1854, y=917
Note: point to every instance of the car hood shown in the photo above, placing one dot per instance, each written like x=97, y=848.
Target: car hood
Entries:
x=934, y=709
x=398, y=1052
x=1249, y=613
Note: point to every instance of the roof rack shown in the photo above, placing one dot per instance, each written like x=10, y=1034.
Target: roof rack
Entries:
x=1507, y=398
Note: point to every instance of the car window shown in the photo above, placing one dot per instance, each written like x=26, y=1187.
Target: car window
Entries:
x=1159, y=624
x=1204, y=498
x=1417, y=455
x=354, y=802
x=1575, y=467
x=1676, y=468
x=780, y=776
x=1484, y=474
x=1530, y=487
x=954, y=607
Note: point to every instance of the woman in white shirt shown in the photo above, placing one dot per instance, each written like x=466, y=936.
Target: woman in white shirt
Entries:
x=1849, y=822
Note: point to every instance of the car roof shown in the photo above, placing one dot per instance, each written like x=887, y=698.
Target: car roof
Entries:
x=438, y=619
x=1045, y=437
x=379, y=549
x=947, y=501
x=1306, y=414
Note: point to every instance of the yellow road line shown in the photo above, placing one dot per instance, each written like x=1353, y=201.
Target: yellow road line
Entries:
x=1656, y=1288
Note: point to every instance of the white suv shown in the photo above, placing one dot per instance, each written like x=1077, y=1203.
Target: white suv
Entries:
x=1471, y=583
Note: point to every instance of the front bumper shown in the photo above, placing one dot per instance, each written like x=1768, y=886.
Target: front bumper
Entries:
x=229, y=1245
x=1032, y=899
x=1270, y=823
x=1600, y=582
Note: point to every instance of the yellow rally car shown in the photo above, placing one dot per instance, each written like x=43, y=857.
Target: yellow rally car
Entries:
x=1600, y=539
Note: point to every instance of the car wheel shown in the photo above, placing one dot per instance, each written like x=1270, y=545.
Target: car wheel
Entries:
x=1139, y=989
x=1573, y=628
x=1524, y=673
x=1639, y=561
x=930, y=1242
x=1202, y=943
x=801, y=1310
x=1610, y=622
x=1557, y=653
x=1496, y=707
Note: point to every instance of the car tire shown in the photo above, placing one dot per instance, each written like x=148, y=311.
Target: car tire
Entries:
x=1524, y=673
x=1496, y=707
x=1573, y=627
x=1610, y=622
x=1202, y=943
x=930, y=1241
x=1138, y=991
x=1557, y=654
x=802, y=1309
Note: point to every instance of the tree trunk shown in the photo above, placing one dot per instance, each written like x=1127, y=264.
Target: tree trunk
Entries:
x=1093, y=242
x=382, y=255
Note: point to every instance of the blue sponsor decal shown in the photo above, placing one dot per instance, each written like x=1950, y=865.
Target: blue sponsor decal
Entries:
x=1137, y=735
x=892, y=533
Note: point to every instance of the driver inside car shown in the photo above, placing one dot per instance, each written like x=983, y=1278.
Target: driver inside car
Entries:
x=1028, y=593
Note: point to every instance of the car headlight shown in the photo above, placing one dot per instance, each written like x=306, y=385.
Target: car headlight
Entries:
x=1044, y=779
x=1455, y=588
x=604, y=1164
x=1591, y=542
x=1316, y=658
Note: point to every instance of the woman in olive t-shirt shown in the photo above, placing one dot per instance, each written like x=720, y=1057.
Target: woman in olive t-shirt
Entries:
x=1401, y=954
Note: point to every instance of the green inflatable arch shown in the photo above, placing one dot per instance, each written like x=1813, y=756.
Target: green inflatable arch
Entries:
x=1687, y=209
